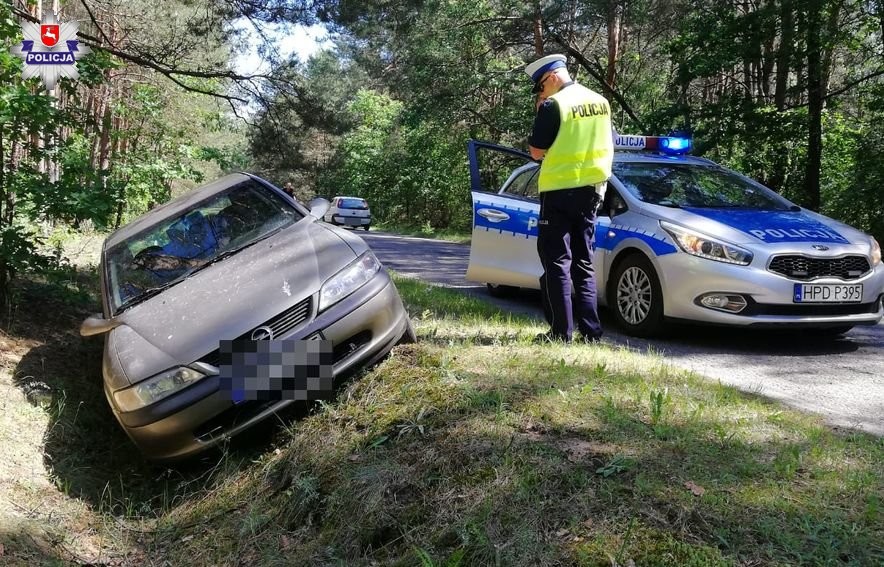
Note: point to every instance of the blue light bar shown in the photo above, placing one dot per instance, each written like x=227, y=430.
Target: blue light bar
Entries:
x=668, y=145
x=675, y=146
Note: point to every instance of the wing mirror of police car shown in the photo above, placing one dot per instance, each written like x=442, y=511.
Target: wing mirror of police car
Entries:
x=318, y=207
x=98, y=325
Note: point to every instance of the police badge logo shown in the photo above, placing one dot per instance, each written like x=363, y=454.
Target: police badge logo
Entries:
x=50, y=50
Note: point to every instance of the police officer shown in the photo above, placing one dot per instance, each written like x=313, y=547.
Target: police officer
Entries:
x=572, y=134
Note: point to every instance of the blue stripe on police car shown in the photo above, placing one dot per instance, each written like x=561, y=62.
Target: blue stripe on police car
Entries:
x=521, y=222
x=773, y=226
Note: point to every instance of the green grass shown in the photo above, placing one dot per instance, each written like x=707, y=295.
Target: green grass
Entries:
x=427, y=231
x=477, y=447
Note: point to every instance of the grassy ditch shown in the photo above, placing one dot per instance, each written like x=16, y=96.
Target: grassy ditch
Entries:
x=476, y=447
x=473, y=447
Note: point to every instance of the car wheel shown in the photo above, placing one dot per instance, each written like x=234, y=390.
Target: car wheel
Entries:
x=366, y=227
x=496, y=290
x=637, y=297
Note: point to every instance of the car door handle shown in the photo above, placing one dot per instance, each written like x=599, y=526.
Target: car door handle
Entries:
x=492, y=215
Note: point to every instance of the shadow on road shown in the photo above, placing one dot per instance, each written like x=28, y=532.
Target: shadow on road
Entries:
x=678, y=338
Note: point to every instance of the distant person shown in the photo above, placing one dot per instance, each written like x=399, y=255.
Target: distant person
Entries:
x=289, y=189
x=572, y=134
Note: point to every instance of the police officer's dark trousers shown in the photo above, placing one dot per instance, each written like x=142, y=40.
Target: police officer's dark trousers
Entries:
x=564, y=244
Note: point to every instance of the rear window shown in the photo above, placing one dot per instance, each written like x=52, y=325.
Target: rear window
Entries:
x=348, y=203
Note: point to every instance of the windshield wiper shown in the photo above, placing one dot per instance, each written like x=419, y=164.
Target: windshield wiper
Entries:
x=147, y=294
x=150, y=292
x=232, y=251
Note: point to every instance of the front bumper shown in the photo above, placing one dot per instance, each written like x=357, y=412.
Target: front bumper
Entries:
x=363, y=328
x=685, y=278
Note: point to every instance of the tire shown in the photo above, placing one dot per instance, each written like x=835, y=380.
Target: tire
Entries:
x=495, y=290
x=636, y=297
x=366, y=227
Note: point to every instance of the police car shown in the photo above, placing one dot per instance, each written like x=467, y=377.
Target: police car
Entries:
x=682, y=238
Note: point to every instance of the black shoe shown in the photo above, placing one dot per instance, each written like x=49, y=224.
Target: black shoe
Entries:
x=545, y=338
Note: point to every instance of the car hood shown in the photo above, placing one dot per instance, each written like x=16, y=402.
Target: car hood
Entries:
x=225, y=300
x=764, y=227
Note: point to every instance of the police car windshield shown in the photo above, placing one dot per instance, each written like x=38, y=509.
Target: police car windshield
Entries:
x=693, y=185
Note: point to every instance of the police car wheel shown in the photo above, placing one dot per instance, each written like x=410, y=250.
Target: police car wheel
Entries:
x=496, y=290
x=636, y=297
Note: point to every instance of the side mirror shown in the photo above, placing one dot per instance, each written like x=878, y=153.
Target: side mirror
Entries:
x=97, y=325
x=318, y=207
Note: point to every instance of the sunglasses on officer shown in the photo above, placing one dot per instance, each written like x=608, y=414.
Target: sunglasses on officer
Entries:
x=538, y=86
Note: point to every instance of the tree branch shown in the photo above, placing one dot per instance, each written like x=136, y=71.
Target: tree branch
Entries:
x=166, y=70
x=587, y=65
x=843, y=89
x=95, y=22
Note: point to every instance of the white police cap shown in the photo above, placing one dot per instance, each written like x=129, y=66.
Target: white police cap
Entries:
x=537, y=68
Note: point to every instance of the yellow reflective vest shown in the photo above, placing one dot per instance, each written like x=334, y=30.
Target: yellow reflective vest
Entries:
x=583, y=150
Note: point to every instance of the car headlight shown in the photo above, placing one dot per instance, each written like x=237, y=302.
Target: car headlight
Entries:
x=348, y=280
x=876, y=252
x=705, y=247
x=156, y=388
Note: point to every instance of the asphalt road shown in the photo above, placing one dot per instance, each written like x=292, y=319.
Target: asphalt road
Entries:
x=841, y=378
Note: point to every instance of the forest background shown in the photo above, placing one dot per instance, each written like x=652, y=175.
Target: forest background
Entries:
x=788, y=92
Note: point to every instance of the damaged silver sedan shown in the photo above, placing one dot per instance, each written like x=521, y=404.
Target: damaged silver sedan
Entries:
x=234, y=260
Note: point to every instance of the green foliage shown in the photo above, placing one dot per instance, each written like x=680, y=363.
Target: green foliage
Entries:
x=19, y=247
x=408, y=169
x=710, y=67
x=103, y=151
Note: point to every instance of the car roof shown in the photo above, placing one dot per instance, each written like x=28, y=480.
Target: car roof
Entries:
x=174, y=207
x=640, y=157
x=346, y=197
x=653, y=157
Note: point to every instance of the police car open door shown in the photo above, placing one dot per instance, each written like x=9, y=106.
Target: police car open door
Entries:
x=503, y=187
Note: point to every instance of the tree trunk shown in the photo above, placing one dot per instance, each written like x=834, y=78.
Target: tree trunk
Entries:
x=784, y=55
x=7, y=217
x=815, y=97
x=880, y=6
x=614, y=20
x=831, y=30
x=4, y=289
x=538, y=30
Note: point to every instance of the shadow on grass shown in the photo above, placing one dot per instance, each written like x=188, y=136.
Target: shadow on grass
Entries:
x=85, y=451
x=523, y=305
x=24, y=549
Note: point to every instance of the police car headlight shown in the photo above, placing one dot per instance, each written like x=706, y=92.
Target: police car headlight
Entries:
x=705, y=247
x=348, y=280
x=876, y=252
